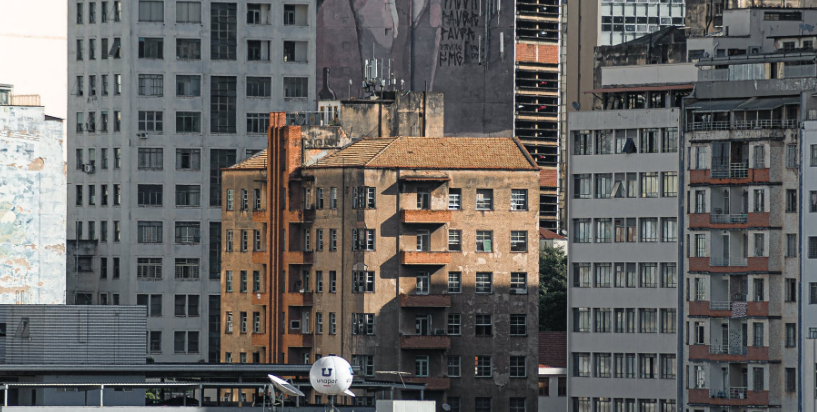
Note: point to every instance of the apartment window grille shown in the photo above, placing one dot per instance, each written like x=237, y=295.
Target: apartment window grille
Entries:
x=187, y=269
x=259, y=87
x=188, y=49
x=484, y=283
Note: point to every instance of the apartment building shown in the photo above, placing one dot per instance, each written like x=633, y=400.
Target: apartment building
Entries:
x=148, y=198
x=623, y=249
x=32, y=226
x=410, y=254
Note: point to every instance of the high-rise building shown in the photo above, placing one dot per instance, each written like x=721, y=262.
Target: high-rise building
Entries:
x=145, y=197
x=623, y=244
x=32, y=218
x=414, y=254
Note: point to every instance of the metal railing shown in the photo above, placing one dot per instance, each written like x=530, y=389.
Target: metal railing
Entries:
x=732, y=261
x=806, y=70
x=719, y=125
x=734, y=171
x=744, y=124
x=718, y=349
x=729, y=218
x=720, y=305
x=729, y=393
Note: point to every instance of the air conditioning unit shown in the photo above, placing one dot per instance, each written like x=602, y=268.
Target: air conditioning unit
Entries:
x=88, y=168
x=439, y=332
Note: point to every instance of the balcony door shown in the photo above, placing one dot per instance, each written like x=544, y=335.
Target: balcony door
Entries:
x=422, y=325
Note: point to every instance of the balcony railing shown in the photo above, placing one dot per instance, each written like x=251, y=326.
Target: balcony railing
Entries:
x=734, y=171
x=729, y=393
x=744, y=124
x=715, y=305
x=729, y=218
x=718, y=349
x=719, y=125
x=733, y=261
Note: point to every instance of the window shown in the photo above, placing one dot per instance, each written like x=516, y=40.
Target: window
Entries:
x=223, y=30
x=188, y=12
x=791, y=290
x=669, y=275
x=700, y=201
x=582, y=187
x=454, y=324
x=484, y=241
x=188, y=232
x=649, y=141
x=603, y=275
x=188, y=122
x=519, y=241
x=757, y=375
x=186, y=305
x=485, y=199
x=147, y=268
x=151, y=85
x=366, y=364
x=151, y=121
x=581, y=365
x=517, y=367
x=363, y=197
x=519, y=199
x=258, y=50
x=421, y=366
x=484, y=283
x=791, y=245
x=649, y=184
x=228, y=283
x=242, y=285
x=647, y=366
x=668, y=320
x=103, y=121
x=791, y=156
x=454, y=366
x=333, y=198
x=116, y=53
x=80, y=48
x=80, y=122
x=791, y=379
x=363, y=324
x=812, y=163
x=296, y=87
x=222, y=102
x=150, y=159
x=242, y=318
x=455, y=240
x=257, y=122
x=669, y=184
x=759, y=157
x=423, y=283
x=647, y=321
x=332, y=281
x=154, y=341
x=649, y=232
x=362, y=281
x=669, y=143
x=151, y=48
x=812, y=287
x=583, y=142
x=602, y=318
x=188, y=159
x=259, y=87
x=244, y=241
x=669, y=229
x=454, y=199
x=333, y=240
x=187, y=269
x=147, y=195
x=483, y=367
x=150, y=232
x=188, y=49
x=791, y=335
x=483, y=325
x=700, y=245
x=188, y=85
x=80, y=18
x=791, y=201
x=92, y=82
x=581, y=275
x=759, y=197
x=760, y=243
x=151, y=11
x=363, y=239
x=519, y=325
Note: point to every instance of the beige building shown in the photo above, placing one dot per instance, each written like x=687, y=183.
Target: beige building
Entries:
x=409, y=254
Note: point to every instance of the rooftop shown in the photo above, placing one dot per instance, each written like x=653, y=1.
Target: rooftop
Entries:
x=498, y=153
x=549, y=235
x=553, y=349
x=257, y=162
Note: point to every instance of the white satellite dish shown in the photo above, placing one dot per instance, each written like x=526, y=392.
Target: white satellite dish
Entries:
x=446, y=407
x=285, y=386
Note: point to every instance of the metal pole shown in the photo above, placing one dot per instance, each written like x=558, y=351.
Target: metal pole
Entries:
x=201, y=393
x=101, y=395
x=5, y=395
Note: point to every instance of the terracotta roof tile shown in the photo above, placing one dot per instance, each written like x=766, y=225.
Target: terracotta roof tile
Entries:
x=553, y=349
x=547, y=234
x=257, y=161
x=433, y=153
x=548, y=177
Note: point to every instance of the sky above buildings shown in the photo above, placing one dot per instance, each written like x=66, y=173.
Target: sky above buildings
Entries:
x=33, y=45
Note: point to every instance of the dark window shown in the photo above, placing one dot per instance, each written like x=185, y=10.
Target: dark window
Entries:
x=223, y=104
x=149, y=195
x=219, y=158
x=223, y=30
x=151, y=48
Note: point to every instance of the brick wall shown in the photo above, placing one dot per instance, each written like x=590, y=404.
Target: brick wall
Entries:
x=537, y=53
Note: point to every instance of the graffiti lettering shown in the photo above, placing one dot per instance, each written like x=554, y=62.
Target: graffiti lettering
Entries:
x=460, y=22
x=460, y=19
x=451, y=55
x=462, y=33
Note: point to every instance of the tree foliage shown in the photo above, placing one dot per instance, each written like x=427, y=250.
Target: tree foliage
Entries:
x=552, y=289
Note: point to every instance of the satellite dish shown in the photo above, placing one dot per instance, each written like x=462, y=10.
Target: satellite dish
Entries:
x=446, y=407
x=332, y=375
x=285, y=386
x=576, y=105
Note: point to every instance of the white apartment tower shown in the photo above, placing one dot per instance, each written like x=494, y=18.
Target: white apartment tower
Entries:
x=162, y=95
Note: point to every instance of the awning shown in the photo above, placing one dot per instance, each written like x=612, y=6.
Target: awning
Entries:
x=709, y=106
x=769, y=103
x=656, y=88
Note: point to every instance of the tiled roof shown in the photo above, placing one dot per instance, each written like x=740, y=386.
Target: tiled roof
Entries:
x=553, y=349
x=433, y=153
x=548, y=177
x=547, y=234
x=257, y=161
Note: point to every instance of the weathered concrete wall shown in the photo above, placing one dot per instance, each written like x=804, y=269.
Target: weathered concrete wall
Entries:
x=412, y=114
x=32, y=207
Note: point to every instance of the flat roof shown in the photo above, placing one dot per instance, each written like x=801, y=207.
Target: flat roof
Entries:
x=664, y=87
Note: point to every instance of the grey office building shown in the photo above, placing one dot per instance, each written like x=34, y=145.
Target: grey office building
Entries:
x=162, y=95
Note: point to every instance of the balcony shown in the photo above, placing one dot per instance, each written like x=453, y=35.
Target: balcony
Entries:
x=738, y=218
x=421, y=342
x=733, y=171
x=298, y=340
x=302, y=216
x=725, y=353
x=736, y=396
x=425, y=216
x=731, y=261
x=706, y=176
x=299, y=299
x=259, y=216
x=729, y=393
x=727, y=350
x=260, y=339
x=425, y=258
x=432, y=384
x=743, y=125
x=299, y=257
x=425, y=301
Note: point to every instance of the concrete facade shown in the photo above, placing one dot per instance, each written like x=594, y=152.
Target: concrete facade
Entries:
x=162, y=95
x=32, y=218
x=350, y=276
x=623, y=259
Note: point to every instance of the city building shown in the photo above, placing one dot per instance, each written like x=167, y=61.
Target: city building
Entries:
x=624, y=204
x=552, y=372
x=145, y=200
x=32, y=217
x=402, y=254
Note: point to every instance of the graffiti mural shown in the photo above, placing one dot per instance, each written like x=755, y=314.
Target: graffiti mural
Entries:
x=462, y=48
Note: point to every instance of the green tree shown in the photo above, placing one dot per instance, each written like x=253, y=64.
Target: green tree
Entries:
x=552, y=289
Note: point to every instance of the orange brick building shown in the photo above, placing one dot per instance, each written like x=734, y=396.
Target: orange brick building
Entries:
x=409, y=254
